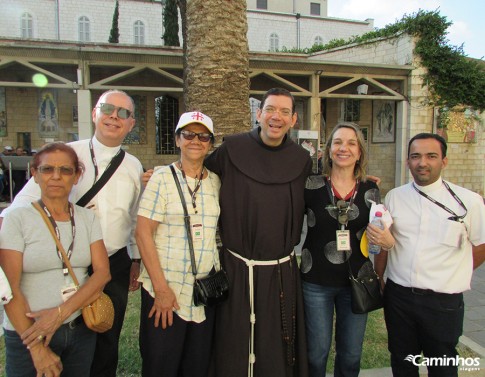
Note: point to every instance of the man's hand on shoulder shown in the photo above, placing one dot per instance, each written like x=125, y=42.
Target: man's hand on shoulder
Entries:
x=145, y=177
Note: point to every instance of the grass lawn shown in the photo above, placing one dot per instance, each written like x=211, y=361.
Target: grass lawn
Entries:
x=375, y=354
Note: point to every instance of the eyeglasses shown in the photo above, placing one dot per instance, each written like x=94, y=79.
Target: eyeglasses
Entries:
x=203, y=136
x=283, y=112
x=343, y=209
x=108, y=109
x=49, y=170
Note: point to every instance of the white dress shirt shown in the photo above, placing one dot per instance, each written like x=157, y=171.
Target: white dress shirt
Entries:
x=432, y=252
x=116, y=204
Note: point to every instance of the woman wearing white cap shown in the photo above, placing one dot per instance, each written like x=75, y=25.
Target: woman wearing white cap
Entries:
x=176, y=335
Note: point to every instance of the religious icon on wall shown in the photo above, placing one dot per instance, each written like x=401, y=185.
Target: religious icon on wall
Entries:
x=383, y=121
x=48, y=120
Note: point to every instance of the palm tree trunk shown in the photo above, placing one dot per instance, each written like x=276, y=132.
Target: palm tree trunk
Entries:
x=216, y=66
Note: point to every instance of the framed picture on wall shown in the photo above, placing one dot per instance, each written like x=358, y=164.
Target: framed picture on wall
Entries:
x=383, y=121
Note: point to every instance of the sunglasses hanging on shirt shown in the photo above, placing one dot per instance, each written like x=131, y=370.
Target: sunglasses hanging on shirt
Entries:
x=342, y=235
x=343, y=212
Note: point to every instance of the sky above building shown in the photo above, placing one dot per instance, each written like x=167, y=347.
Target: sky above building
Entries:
x=467, y=17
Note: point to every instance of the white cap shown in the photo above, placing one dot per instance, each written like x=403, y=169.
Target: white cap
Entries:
x=195, y=117
x=8, y=148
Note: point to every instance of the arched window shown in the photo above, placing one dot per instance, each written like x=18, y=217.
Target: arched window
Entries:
x=139, y=33
x=84, y=29
x=274, y=42
x=318, y=40
x=26, y=26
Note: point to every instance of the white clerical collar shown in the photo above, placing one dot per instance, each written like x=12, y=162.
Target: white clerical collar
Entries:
x=430, y=188
x=102, y=150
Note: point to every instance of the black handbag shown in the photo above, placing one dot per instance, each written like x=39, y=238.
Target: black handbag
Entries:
x=366, y=290
x=211, y=290
x=214, y=288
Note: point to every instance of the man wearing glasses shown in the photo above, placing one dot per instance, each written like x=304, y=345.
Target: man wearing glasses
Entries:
x=260, y=328
x=440, y=238
x=116, y=205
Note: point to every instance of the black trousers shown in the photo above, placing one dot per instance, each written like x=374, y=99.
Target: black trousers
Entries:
x=105, y=360
x=181, y=350
x=419, y=321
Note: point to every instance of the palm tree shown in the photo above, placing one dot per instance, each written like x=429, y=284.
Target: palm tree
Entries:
x=216, y=62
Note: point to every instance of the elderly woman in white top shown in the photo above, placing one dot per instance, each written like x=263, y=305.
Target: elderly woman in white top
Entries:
x=44, y=330
x=176, y=335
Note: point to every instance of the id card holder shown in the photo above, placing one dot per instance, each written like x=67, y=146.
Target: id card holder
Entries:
x=343, y=240
x=68, y=291
x=197, y=231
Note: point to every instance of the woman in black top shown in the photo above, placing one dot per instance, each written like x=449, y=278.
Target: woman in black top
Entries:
x=337, y=205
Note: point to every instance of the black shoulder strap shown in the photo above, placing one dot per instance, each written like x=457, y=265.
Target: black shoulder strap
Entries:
x=186, y=220
x=91, y=193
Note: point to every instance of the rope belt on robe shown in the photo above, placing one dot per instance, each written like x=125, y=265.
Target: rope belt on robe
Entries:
x=252, y=316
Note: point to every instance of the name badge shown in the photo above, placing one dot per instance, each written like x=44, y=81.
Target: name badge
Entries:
x=343, y=240
x=68, y=291
x=197, y=231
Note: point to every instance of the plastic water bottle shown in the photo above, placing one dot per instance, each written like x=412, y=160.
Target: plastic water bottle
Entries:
x=377, y=221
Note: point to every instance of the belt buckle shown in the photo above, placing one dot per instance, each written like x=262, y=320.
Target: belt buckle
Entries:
x=420, y=292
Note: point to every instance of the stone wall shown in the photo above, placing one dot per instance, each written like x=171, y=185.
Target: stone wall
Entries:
x=465, y=160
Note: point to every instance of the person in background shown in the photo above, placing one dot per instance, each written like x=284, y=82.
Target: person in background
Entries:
x=44, y=330
x=4, y=193
x=7, y=151
x=260, y=327
x=176, y=335
x=337, y=201
x=439, y=239
x=19, y=177
x=116, y=205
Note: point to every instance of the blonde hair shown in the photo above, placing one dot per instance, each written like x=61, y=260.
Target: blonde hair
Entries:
x=361, y=165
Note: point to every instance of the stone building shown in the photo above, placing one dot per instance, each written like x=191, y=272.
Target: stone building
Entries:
x=378, y=84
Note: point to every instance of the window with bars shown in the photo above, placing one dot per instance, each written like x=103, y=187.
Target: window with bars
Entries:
x=350, y=110
x=139, y=33
x=84, y=29
x=166, y=118
x=26, y=26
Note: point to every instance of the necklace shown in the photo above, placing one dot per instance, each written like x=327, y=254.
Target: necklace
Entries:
x=198, y=183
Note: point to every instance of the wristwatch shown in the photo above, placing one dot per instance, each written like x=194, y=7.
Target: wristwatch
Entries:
x=136, y=260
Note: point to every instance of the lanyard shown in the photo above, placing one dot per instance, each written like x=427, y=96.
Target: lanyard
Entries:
x=348, y=208
x=198, y=183
x=65, y=270
x=95, y=164
x=455, y=217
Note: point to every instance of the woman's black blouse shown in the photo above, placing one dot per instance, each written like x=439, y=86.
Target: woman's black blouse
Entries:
x=321, y=263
